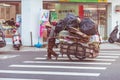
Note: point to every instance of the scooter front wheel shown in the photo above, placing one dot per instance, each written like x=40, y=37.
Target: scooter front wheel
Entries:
x=110, y=40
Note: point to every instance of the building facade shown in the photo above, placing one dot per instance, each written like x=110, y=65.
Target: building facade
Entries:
x=104, y=12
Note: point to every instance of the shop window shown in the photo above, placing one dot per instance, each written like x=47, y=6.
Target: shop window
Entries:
x=8, y=13
x=2, y=13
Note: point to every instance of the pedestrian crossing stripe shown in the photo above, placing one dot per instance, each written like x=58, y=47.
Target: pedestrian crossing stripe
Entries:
x=17, y=79
x=95, y=59
x=58, y=66
x=101, y=56
x=50, y=73
x=51, y=62
x=87, y=59
x=108, y=57
x=7, y=56
x=112, y=54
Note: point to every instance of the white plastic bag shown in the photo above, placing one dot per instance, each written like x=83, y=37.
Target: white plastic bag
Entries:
x=94, y=38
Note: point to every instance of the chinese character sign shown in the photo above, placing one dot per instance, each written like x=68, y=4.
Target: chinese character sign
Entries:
x=44, y=17
x=83, y=0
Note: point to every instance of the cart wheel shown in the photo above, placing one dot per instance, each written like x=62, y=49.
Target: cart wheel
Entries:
x=68, y=55
x=77, y=50
x=80, y=52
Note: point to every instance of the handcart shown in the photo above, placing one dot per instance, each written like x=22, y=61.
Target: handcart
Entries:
x=78, y=47
x=76, y=35
x=79, y=50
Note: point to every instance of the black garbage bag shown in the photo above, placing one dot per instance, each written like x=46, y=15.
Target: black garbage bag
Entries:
x=72, y=23
x=71, y=20
x=60, y=26
x=113, y=35
x=70, y=17
x=88, y=26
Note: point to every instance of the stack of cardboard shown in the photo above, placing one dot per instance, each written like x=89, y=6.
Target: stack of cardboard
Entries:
x=90, y=43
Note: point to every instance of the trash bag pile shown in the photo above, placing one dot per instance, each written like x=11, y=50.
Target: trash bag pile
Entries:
x=83, y=29
x=72, y=29
x=88, y=26
x=69, y=21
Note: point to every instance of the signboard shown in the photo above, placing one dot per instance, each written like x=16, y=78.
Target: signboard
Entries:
x=83, y=0
x=117, y=8
x=44, y=18
x=102, y=0
x=18, y=18
x=53, y=16
x=44, y=15
x=64, y=0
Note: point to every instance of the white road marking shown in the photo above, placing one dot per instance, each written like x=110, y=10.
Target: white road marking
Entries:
x=100, y=56
x=17, y=79
x=8, y=56
x=112, y=54
x=58, y=66
x=108, y=57
x=95, y=59
x=65, y=58
x=96, y=63
x=109, y=50
x=50, y=73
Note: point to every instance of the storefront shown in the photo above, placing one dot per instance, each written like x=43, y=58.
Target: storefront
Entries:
x=9, y=10
x=103, y=12
x=89, y=8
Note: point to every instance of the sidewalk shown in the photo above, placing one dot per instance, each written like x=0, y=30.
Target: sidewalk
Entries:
x=9, y=47
x=110, y=46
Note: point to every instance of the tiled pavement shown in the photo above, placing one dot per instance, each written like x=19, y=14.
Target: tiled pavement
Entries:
x=9, y=47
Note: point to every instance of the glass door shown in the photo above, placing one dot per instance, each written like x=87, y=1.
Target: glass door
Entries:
x=102, y=21
x=98, y=13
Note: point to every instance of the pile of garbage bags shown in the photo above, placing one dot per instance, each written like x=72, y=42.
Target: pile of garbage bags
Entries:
x=85, y=31
x=69, y=21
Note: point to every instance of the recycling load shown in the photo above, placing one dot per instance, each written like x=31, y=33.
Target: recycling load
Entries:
x=83, y=29
x=84, y=32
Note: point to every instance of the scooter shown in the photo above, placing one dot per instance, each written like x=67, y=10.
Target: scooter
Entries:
x=16, y=42
x=16, y=39
x=113, y=35
x=2, y=39
x=118, y=40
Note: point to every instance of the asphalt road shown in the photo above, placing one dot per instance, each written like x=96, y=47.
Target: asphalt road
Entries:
x=32, y=65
